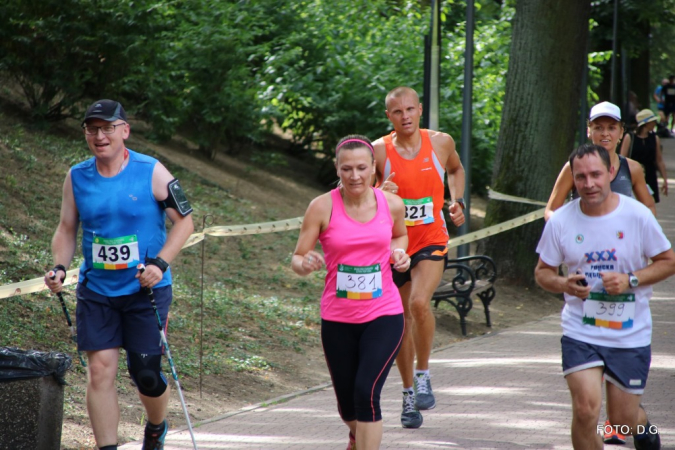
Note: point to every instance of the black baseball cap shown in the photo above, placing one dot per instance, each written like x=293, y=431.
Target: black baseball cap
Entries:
x=108, y=110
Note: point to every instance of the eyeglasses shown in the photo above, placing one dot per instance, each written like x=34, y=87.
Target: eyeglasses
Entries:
x=106, y=129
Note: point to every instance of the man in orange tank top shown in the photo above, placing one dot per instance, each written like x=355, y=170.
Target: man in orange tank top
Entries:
x=412, y=163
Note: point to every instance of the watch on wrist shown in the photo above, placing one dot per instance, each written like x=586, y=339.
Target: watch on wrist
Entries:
x=461, y=203
x=633, y=280
x=159, y=262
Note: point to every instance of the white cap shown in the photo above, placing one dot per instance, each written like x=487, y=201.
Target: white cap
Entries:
x=605, y=109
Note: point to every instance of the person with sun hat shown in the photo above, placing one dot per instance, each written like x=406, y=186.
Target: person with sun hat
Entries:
x=644, y=146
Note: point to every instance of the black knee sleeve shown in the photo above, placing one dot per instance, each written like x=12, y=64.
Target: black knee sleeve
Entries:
x=146, y=371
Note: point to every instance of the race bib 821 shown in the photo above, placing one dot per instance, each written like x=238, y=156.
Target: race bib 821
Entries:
x=418, y=211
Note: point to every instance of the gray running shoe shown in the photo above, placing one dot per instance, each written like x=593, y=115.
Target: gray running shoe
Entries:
x=410, y=416
x=424, y=395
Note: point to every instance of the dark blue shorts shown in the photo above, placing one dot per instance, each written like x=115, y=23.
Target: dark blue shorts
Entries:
x=127, y=321
x=431, y=252
x=626, y=368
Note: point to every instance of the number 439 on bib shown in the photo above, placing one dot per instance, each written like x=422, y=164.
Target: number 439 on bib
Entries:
x=116, y=253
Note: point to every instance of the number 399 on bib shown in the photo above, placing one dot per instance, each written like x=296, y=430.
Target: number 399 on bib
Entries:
x=116, y=253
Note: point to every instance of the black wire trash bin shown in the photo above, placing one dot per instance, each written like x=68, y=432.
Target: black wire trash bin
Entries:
x=31, y=398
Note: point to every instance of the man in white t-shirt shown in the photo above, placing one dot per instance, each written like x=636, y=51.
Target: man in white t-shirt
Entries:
x=606, y=240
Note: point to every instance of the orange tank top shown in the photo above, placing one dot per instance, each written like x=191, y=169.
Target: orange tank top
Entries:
x=420, y=185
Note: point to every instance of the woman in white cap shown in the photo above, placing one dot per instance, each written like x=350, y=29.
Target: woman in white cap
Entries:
x=645, y=147
x=605, y=129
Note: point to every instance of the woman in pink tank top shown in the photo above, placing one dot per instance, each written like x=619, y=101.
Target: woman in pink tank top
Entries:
x=363, y=235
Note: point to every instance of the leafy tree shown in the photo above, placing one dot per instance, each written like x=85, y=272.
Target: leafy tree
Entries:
x=540, y=116
x=59, y=53
x=329, y=78
x=202, y=74
x=491, y=59
x=644, y=26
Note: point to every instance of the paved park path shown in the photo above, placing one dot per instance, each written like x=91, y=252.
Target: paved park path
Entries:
x=500, y=391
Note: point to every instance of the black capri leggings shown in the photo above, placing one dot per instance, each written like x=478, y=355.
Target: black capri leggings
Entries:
x=359, y=356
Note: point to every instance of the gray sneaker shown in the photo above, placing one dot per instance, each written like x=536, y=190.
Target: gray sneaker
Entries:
x=424, y=395
x=410, y=416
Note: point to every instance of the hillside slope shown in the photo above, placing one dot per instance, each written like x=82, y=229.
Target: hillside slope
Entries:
x=254, y=327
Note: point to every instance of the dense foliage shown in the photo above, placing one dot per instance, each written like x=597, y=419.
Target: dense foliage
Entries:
x=225, y=72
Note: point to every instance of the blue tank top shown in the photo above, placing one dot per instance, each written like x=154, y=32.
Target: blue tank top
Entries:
x=622, y=182
x=122, y=223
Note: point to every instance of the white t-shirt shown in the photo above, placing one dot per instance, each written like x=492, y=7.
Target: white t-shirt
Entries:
x=621, y=241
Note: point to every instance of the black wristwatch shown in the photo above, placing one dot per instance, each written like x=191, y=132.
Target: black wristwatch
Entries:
x=633, y=280
x=159, y=262
x=461, y=203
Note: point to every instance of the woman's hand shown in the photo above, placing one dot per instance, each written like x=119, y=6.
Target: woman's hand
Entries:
x=313, y=261
x=400, y=259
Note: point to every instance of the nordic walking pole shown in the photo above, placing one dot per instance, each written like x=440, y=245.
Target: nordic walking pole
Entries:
x=73, y=335
x=151, y=296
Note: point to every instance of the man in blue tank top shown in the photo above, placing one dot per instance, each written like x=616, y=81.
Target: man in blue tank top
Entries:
x=120, y=198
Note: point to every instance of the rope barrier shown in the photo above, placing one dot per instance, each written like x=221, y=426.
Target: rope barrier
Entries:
x=37, y=284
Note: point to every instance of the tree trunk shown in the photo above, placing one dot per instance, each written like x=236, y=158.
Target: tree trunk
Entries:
x=640, y=77
x=540, y=117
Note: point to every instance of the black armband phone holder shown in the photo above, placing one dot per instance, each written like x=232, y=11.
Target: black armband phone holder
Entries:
x=159, y=262
x=176, y=199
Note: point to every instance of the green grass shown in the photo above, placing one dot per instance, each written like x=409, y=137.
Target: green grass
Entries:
x=253, y=309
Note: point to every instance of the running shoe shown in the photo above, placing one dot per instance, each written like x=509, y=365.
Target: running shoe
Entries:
x=652, y=442
x=154, y=440
x=410, y=416
x=424, y=395
x=612, y=435
x=352, y=442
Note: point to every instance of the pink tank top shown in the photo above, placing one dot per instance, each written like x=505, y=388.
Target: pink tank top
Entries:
x=359, y=287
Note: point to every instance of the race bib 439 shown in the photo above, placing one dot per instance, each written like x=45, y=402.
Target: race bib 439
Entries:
x=116, y=253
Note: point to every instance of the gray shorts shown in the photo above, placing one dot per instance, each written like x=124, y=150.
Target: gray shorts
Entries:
x=626, y=368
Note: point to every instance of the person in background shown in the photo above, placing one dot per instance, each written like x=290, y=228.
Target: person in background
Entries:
x=412, y=163
x=658, y=98
x=645, y=147
x=668, y=95
x=605, y=129
x=362, y=231
x=120, y=198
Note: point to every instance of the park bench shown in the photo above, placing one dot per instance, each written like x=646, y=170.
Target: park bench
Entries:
x=463, y=278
